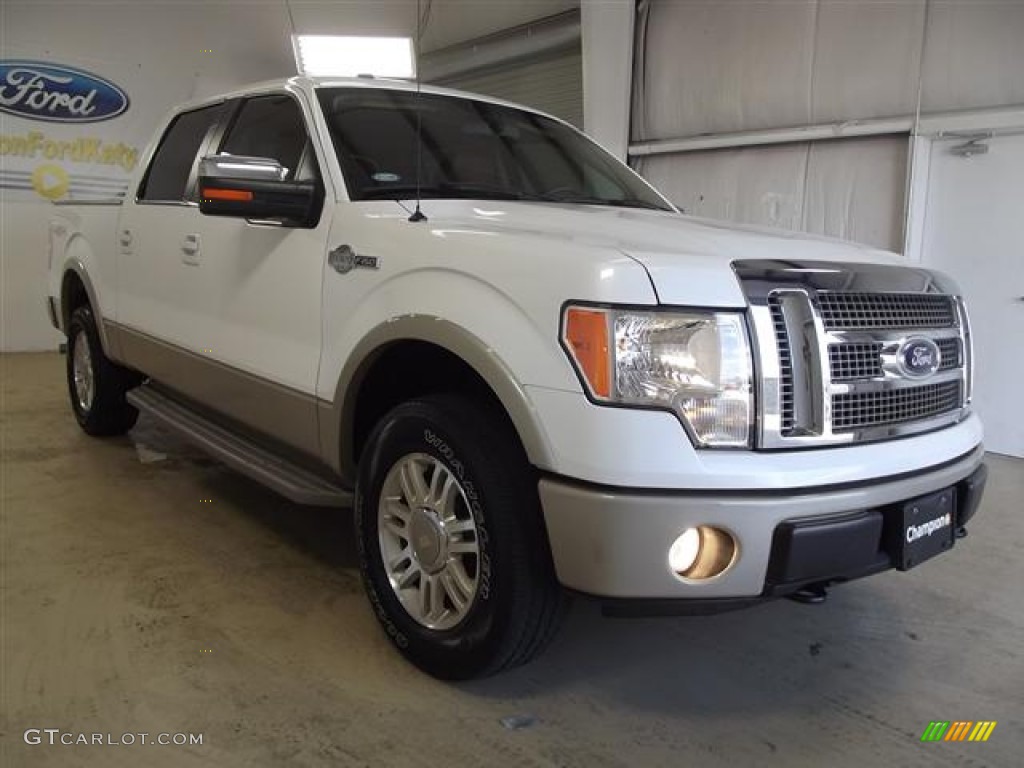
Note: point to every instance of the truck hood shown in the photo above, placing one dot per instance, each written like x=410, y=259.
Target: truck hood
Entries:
x=688, y=259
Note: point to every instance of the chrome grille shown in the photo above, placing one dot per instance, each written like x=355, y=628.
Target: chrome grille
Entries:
x=831, y=351
x=855, y=360
x=785, y=366
x=949, y=352
x=857, y=311
x=894, y=406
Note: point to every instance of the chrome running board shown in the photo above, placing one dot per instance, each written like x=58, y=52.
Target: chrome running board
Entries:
x=241, y=454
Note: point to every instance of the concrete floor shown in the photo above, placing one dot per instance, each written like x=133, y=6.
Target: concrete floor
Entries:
x=147, y=589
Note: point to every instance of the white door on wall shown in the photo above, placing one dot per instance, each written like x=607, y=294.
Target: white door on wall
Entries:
x=974, y=231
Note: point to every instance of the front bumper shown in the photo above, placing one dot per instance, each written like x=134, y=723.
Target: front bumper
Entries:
x=613, y=543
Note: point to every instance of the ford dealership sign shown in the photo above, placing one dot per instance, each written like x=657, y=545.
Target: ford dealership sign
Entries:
x=59, y=94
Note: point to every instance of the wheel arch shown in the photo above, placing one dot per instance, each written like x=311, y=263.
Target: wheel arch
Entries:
x=457, y=352
x=76, y=289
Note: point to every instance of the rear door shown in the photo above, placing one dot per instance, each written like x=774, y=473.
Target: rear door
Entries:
x=159, y=295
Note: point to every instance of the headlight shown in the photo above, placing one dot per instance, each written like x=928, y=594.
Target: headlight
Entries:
x=694, y=363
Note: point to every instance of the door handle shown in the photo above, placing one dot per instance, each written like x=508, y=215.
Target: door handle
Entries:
x=190, y=247
x=126, y=237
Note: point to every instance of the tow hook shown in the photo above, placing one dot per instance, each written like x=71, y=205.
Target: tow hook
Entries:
x=812, y=594
x=961, y=532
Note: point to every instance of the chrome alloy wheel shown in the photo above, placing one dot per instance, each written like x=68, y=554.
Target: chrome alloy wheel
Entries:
x=428, y=541
x=81, y=367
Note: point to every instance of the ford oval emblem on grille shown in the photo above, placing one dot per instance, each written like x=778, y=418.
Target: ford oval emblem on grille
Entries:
x=919, y=358
x=58, y=94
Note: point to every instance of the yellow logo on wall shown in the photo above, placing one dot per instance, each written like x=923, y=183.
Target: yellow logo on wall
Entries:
x=84, y=149
x=64, y=165
x=50, y=181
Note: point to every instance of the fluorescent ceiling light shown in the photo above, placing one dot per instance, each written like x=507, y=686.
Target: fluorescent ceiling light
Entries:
x=349, y=56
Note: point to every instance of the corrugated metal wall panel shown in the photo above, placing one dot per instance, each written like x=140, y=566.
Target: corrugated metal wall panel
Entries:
x=720, y=67
x=856, y=190
x=715, y=67
x=723, y=67
x=867, y=60
x=852, y=188
x=552, y=83
x=974, y=55
x=755, y=185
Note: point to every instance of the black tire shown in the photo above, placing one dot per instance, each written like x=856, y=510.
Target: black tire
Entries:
x=107, y=412
x=518, y=603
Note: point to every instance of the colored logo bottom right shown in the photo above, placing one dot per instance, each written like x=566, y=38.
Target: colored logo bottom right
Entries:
x=958, y=730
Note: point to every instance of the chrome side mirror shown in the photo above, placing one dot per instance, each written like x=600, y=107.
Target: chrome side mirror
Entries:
x=242, y=167
x=255, y=188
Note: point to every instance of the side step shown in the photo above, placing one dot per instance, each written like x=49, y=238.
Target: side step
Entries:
x=291, y=481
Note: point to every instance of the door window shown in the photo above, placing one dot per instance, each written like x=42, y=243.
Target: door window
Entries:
x=169, y=172
x=272, y=126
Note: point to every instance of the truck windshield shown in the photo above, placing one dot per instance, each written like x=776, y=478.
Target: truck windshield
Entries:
x=469, y=149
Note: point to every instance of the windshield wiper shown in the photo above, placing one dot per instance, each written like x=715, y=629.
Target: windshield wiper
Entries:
x=465, y=189
x=624, y=202
x=457, y=190
x=635, y=202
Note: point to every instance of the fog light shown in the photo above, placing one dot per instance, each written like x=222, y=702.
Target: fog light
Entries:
x=684, y=551
x=702, y=552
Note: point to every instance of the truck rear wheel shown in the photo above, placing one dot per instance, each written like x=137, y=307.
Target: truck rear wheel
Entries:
x=452, y=544
x=96, y=385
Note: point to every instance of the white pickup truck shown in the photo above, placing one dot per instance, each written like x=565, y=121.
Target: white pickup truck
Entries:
x=524, y=369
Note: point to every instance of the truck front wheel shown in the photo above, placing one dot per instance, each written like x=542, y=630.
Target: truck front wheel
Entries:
x=96, y=385
x=452, y=544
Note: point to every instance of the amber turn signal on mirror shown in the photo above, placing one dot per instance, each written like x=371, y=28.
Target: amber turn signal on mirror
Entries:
x=237, y=195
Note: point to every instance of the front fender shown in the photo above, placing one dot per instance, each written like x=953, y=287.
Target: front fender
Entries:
x=336, y=440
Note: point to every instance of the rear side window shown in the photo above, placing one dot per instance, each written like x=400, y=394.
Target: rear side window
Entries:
x=270, y=126
x=168, y=174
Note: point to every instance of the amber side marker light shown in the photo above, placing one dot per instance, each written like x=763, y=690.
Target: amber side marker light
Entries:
x=240, y=195
x=586, y=333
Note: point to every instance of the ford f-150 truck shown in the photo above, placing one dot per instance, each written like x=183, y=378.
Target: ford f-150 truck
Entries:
x=527, y=373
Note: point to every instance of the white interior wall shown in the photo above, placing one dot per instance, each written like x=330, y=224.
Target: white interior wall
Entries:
x=607, y=31
x=716, y=69
x=167, y=51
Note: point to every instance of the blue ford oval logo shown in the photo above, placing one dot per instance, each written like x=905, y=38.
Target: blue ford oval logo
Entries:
x=919, y=358
x=57, y=94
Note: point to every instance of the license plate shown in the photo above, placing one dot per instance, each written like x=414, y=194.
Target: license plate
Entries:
x=928, y=528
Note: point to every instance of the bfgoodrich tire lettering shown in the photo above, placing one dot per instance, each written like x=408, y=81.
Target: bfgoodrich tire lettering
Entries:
x=516, y=603
x=96, y=385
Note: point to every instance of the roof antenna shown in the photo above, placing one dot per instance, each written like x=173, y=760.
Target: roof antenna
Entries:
x=418, y=215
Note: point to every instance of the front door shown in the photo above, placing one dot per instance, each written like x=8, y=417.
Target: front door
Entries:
x=261, y=302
